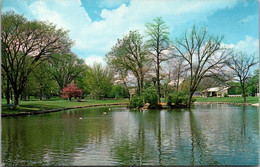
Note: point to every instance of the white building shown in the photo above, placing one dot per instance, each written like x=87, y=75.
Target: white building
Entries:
x=215, y=92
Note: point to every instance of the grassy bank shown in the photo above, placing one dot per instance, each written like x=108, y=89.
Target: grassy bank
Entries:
x=37, y=105
x=250, y=100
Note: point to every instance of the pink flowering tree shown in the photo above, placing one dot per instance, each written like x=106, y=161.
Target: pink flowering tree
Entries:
x=71, y=90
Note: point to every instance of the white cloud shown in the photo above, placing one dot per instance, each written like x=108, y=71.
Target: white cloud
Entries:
x=97, y=37
x=248, y=19
x=91, y=60
x=249, y=45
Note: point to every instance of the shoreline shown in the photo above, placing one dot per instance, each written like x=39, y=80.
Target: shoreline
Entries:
x=60, y=109
x=102, y=105
x=241, y=104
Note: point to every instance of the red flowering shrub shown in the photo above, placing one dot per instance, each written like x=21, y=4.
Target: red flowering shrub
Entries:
x=71, y=90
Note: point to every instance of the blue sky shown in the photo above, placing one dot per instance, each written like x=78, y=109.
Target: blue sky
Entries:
x=95, y=25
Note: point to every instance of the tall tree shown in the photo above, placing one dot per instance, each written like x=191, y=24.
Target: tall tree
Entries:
x=241, y=64
x=26, y=43
x=44, y=79
x=204, y=55
x=158, y=43
x=99, y=81
x=130, y=54
x=65, y=68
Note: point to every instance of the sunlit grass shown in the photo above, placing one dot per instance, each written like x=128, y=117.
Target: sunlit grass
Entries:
x=40, y=105
x=250, y=100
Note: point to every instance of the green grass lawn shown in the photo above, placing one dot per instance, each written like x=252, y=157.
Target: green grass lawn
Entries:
x=251, y=100
x=37, y=105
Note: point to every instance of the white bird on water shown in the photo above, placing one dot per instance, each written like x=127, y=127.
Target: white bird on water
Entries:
x=105, y=113
x=80, y=118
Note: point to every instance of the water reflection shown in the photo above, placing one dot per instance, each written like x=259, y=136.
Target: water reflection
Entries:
x=206, y=135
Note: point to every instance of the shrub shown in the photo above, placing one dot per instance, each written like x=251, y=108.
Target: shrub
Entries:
x=118, y=91
x=151, y=97
x=178, y=98
x=71, y=90
x=169, y=100
x=136, y=102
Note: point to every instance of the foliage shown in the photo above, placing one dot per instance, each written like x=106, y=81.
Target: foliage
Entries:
x=178, y=98
x=41, y=82
x=235, y=88
x=136, y=102
x=71, y=90
x=98, y=81
x=118, y=91
x=65, y=68
x=157, y=43
x=130, y=55
x=150, y=96
x=25, y=44
x=253, y=87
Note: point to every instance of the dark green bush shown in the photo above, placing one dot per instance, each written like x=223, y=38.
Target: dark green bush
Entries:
x=169, y=100
x=178, y=98
x=151, y=97
x=136, y=102
x=118, y=91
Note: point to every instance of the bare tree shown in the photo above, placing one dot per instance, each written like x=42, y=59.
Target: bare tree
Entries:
x=241, y=63
x=203, y=53
x=179, y=71
x=130, y=54
x=25, y=43
x=159, y=44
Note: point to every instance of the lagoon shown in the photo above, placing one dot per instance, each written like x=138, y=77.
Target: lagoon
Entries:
x=212, y=134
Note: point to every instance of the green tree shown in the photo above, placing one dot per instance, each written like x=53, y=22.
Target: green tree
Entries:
x=130, y=54
x=253, y=87
x=99, y=81
x=44, y=79
x=150, y=96
x=118, y=91
x=158, y=43
x=234, y=88
x=65, y=68
x=25, y=44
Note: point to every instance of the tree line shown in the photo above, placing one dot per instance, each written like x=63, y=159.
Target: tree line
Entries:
x=181, y=65
x=37, y=60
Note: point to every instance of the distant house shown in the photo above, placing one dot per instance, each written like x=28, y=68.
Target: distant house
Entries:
x=215, y=92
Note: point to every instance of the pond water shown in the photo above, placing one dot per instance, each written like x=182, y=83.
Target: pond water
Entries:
x=206, y=135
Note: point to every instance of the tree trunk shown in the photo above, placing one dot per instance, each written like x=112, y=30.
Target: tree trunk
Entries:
x=142, y=82
x=190, y=100
x=7, y=93
x=158, y=80
x=244, y=95
x=16, y=99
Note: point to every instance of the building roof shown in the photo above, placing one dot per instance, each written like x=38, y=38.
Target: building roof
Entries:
x=216, y=89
